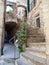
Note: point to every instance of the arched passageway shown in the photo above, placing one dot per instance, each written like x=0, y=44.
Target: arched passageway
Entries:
x=10, y=30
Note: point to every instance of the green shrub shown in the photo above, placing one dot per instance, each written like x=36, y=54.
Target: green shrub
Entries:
x=21, y=34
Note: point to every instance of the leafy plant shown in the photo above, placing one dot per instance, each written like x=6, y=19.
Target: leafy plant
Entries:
x=9, y=12
x=21, y=34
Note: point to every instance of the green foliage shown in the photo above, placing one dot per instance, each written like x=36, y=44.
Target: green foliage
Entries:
x=21, y=34
x=23, y=26
x=21, y=50
x=9, y=12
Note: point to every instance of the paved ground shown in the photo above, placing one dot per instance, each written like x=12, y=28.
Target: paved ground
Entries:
x=10, y=51
x=6, y=63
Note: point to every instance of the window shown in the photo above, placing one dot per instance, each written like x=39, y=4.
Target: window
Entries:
x=35, y=2
x=38, y=22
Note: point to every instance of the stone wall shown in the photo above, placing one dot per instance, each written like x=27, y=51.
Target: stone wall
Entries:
x=32, y=17
x=43, y=11
x=45, y=7
x=1, y=22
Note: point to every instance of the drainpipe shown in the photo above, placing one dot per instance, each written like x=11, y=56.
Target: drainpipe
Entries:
x=28, y=5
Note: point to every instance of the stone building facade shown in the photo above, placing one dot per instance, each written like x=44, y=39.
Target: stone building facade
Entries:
x=35, y=17
x=40, y=12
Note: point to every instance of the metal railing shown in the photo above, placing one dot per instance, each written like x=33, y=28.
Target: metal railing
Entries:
x=12, y=40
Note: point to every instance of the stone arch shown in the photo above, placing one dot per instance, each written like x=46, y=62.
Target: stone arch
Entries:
x=22, y=6
x=11, y=28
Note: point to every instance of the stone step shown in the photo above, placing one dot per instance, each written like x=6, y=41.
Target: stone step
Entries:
x=33, y=31
x=40, y=44
x=21, y=61
x=35, y=58
x=36, y=36
x=34, y=40
x=36, y=49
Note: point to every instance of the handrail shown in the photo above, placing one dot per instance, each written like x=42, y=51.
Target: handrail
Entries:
x=12, y=39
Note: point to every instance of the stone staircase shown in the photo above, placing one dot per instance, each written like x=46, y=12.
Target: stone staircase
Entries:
x=34, y=35
x=34, y=55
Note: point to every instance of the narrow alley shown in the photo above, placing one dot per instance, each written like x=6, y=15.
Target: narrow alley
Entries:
x=24, y=32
